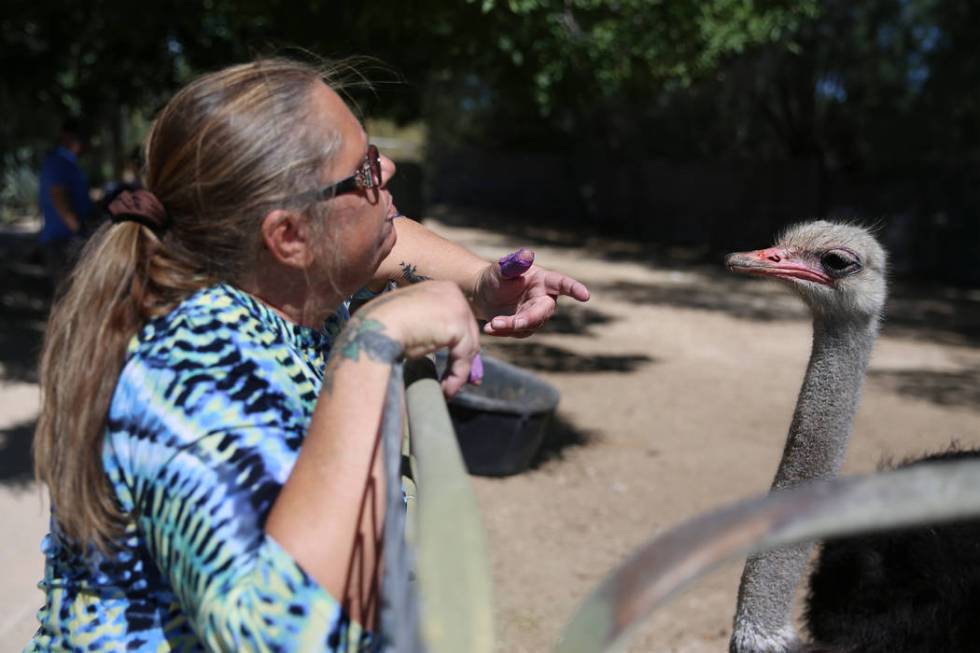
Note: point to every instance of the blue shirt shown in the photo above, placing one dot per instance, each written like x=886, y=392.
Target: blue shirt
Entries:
x=207, y=419
x=61, y=168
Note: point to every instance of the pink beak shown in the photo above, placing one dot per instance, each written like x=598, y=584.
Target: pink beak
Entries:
x=776, y=262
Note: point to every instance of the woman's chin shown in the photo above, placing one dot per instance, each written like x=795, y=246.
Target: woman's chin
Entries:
x=388, y=240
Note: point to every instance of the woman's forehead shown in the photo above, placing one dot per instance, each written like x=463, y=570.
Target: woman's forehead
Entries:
x=330, y=108
x=332, y=112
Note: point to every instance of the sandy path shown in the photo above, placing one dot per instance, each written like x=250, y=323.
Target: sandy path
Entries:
x=24, y=514
x=677, y=385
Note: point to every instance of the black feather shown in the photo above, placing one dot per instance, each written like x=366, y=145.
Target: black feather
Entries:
x=909, y=591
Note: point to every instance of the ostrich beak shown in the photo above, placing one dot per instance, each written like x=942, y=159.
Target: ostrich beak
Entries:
x=776, y=262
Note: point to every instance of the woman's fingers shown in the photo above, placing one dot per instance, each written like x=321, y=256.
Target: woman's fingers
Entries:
x=464, y=364
x=502, y=324
x=509, y=325
x=476, y=370
x=456, y=375
x=564, y=285
x=530, y=316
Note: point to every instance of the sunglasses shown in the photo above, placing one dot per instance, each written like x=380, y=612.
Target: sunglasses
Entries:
x=367, y=175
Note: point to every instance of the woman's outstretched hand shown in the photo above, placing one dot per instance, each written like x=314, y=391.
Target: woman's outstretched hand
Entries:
x=517, y=303
x=426, y=317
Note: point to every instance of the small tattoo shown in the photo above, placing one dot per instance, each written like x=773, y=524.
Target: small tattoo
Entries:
x=410, y=274
x=362, y=335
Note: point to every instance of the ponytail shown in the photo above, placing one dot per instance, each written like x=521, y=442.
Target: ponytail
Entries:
x=122, y=279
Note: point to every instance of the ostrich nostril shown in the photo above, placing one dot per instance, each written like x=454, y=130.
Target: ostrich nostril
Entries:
x=774, y=258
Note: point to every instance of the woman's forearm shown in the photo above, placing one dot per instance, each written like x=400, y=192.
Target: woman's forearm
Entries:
x=419, y=255
x=330, y=513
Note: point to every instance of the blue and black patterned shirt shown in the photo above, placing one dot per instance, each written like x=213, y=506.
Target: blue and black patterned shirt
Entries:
x=207, y=419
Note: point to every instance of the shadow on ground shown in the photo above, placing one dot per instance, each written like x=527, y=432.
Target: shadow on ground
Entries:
x=24, y=304
x=935, y=313
x=560, y=436
x=709, y=290
x=959, y=388
x=540, y=357
x=16, y=461
x=572, y=318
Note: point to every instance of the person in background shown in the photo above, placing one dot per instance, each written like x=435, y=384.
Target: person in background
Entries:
x=64, y=201
x=210, y=407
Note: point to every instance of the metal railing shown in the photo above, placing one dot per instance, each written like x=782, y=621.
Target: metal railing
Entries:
x=448, y=607
x=454, y=572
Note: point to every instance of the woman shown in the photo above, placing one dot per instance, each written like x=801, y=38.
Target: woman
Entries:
x=209, y=449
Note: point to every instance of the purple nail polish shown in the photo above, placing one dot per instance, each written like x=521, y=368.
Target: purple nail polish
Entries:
x=516, y=263
x=476, y=369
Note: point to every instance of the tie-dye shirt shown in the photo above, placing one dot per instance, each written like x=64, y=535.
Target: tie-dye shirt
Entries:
x=206, y=422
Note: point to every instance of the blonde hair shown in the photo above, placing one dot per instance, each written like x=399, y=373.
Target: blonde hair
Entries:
x=225, y=150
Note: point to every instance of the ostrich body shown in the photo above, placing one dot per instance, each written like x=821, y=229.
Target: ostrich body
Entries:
x=915, y=590
x=839, y=272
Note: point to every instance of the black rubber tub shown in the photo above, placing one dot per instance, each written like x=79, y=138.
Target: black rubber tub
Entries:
x=501, y=423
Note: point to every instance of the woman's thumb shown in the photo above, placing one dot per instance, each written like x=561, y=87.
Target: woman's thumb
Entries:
x=516, y=263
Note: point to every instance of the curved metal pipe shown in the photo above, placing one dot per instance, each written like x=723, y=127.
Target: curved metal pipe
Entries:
x=667, y=563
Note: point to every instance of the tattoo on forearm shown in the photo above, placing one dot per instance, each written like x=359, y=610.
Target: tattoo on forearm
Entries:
x=362, y=335
x=410, y=274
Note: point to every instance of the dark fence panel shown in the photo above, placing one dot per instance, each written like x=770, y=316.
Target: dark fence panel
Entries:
x=929, y=219
x=534, y=183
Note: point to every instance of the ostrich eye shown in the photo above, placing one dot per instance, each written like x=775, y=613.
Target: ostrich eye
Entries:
x=839, y=263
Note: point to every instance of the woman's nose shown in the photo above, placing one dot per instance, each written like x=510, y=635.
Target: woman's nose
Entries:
x=388, y=169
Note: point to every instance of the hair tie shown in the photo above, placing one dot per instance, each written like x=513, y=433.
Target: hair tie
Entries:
x=140, y=206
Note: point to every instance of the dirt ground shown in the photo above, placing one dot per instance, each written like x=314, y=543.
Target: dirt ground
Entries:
x=677, y=381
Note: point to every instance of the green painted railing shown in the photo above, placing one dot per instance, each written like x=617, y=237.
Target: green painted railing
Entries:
x=450, y=548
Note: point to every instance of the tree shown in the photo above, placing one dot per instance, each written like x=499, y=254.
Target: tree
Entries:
x=541, y=57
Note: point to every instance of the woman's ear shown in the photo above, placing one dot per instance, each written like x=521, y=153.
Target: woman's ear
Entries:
x=286, y=235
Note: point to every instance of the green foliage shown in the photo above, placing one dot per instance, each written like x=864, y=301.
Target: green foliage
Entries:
x=587, y=47
x=88, y=58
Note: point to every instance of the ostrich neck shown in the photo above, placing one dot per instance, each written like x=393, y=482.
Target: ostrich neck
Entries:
x=815, y=448
x=828, y=400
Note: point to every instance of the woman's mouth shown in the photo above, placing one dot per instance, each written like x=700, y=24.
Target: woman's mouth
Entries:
x=392, y=212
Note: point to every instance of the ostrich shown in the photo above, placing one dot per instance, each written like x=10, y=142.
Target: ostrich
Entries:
x=839, y=271
x=915, y=590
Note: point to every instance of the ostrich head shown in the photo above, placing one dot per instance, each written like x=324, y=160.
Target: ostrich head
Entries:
x=838, y=269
